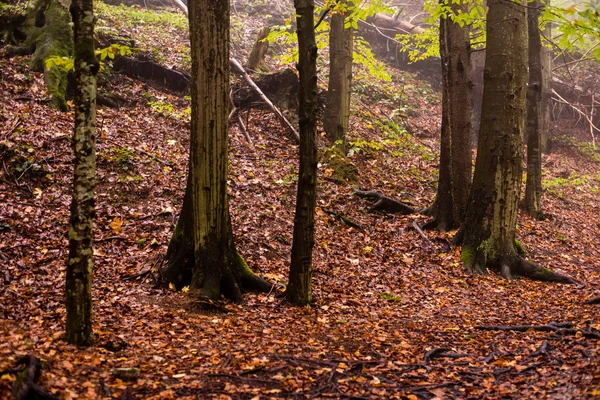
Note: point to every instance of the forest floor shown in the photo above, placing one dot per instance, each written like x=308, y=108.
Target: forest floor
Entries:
x=396, y=314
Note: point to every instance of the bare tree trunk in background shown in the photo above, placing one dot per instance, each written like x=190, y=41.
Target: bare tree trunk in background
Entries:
x=533, y=188
x=299, y=290
x=78, y=293
x=256, y=59
x=455, y=152
x=337, y=110
x=546, y=90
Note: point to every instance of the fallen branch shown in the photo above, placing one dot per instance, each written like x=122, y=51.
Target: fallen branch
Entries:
x=344, y=219
x=235, y=112
x=385, y=204
x=254, y=86
x=418, y=229
x=595, y=300
x=563, y=328
x=442, y=352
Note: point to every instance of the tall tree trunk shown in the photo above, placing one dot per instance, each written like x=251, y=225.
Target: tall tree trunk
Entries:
x=455, y=149
x=337, y=110
x=533, y=188
x=217, y=268
x=299, y=290
x=78, y=299
x=488, y=235
x=546, y=90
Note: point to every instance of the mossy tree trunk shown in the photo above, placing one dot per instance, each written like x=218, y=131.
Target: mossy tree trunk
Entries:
x=488, y=235
x=533, y=188
x=299, y=290
x=48, y=34
x=455, y=145
x=217, y=267
x=337, y=110
x=78, y=299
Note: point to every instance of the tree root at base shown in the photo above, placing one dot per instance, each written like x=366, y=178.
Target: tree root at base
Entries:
x=26, y=386
x=517, y=266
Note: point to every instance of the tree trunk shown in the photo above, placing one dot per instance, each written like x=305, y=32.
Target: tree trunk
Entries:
x=179, y=263
x=48, y=34
x=256, y=59
x=299, y=291
x=546, y=90
x=337, y=110
x=78, y=299
x=488, y=235
x=215, y=265
x=455, y=147
x=533, y=188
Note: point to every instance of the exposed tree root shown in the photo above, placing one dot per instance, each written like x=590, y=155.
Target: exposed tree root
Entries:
x=29, y=369
x=233, y=279
x=509, y=265
x=385, y=204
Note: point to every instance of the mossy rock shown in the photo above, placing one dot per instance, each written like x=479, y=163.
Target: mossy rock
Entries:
x=338, y=167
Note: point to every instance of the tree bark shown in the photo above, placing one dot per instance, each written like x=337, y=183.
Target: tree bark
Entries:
x=48, y=34
x=78, y=299
x=337, y=109
x=488, y=234
x=533, y=188
x=214, y=267
x=455, y=147
x=299, y=290
x=546, y=90
x=256, y=59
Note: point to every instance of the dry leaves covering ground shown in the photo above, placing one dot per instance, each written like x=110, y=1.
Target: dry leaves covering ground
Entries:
x=386, y=296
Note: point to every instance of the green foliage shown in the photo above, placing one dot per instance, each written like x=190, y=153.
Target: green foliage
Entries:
x=579, y=26
x=390, y=297
x=121, y=155
x=285, y=36
x=573, y=180
x=63, y=63
x=67, y=64
x=135, y=16
x=112, y=50
x=426, y=44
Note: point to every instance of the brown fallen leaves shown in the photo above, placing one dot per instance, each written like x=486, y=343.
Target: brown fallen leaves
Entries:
x=385, y=296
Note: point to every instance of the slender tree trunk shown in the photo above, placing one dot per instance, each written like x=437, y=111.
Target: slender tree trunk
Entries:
x=546, y=90
x=455, y=149
x=299, y=290
x=256, y=59
x=533, y=188
x=78, y=299
x=337, y=110
x=488, y=235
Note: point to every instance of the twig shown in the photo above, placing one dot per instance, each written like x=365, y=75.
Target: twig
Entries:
x=418, y=229
x=344, y=219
